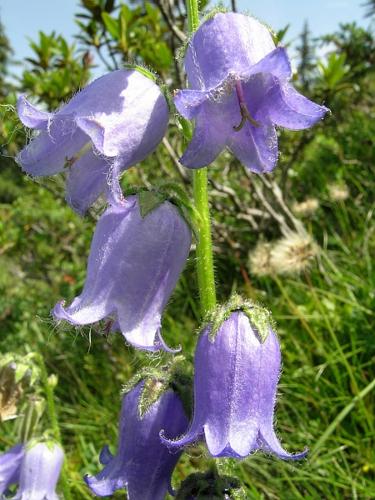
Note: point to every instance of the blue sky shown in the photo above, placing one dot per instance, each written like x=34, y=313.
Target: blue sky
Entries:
x=323, y=15
x=24, y=18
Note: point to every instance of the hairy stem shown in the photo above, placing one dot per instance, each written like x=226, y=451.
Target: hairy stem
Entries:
x=205, y=261
x=192, y=10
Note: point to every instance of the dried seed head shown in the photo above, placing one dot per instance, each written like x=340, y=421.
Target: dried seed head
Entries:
x=338, y=192
x=260, y=259
x=293, y=254
x=306, y=207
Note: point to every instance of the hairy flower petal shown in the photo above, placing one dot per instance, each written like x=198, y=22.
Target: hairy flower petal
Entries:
x=188, y=102
x=238, y=91
x=207, y=142
x=288, y=108
x=133, y=267
x=40, y=472
x=10, y=467
x=142, y=463
x=115, y=120
x=256, y=148
x=275, y=63
x=30, y=116
x=50, y=151
x=122, y=115
x=235, y=384
x=225, y=45
x=86, y=181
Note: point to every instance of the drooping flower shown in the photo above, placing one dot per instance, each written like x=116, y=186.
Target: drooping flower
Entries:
x=235, y=382
x=133, y=267
x=10, y=465
x=40, y=471
x=112, y=124
x=239, y=90
x=142, y=465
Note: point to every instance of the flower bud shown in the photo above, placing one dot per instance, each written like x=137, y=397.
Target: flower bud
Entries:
x=40, y=471
x=237, y=367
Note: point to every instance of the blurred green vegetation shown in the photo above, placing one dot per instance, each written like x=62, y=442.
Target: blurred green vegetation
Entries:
x=322, y=299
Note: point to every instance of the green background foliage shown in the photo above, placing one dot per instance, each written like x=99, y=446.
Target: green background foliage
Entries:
x=324, y=313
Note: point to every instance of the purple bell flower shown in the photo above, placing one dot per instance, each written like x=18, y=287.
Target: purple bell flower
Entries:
x=10, y=466
x=112, y=124
x=235, y=386
x=40, y=471
x=133, y=267
x=142, y=465
x=239, y=90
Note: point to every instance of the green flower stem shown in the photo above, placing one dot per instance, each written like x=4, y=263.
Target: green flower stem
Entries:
x=52, y=414
x=205, y=261
x=192, y=10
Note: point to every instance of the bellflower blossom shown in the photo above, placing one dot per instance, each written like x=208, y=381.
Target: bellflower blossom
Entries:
x=235, y=386
x=112, y=124
x=133, y=267
x=142, y=465
x=239, y=90
x=40, y=471
x=10, y=465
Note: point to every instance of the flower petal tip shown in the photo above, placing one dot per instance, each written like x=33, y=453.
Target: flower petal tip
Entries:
x=29, y=115
x=101, y=488
x=298, y=456
x=59, y=312
x=158, y=343
x=176, y=444
x=194, y=164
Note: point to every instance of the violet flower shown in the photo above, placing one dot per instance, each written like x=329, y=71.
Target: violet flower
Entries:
x=112, y=124
x=142, y=465
x=10, y=464
x=133, y=267
x=235, y=386
x=40, y=472
x=239, y=90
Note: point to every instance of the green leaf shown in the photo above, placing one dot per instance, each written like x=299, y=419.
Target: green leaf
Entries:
x=111, y=25
x=126, y=13
x=123, y=30
x=334, y=70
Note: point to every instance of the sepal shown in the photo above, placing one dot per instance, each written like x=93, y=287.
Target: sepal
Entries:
x=176, y=375
x=151, y=199
x=260, y=317
x=219, y=9
x=143, y=70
